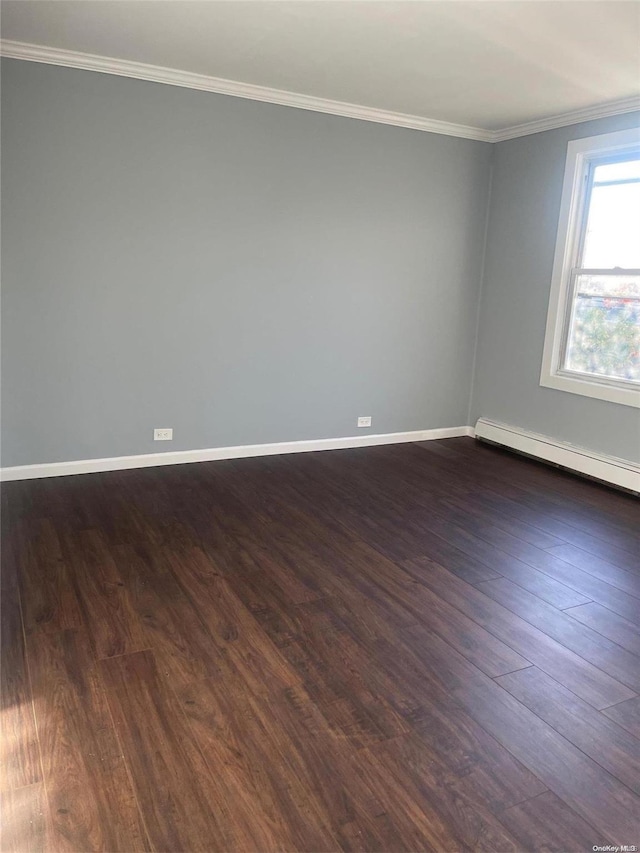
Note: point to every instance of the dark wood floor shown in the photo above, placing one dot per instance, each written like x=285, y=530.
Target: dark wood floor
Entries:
x=413, y=647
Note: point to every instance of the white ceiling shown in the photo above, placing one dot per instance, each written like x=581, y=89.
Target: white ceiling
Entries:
x=485, y=64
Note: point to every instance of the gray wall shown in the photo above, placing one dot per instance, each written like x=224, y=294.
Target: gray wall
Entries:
x=248, y=273
x=525, y=202
x=241, y=272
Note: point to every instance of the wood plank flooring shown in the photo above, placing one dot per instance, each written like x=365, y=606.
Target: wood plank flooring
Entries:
x=419, y=647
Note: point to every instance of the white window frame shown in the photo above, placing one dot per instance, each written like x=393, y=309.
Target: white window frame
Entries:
x=580, y=154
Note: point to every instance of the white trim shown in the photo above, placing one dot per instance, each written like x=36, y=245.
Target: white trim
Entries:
x=592, y=388
x=571, y=214
x=186, y=79
x=609, y=469
x=180, y=457
x=611, y=108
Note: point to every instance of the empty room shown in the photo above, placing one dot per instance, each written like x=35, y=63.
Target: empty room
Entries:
x=320, y=426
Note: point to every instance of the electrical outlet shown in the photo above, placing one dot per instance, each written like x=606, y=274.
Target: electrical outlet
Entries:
x=364, y=422
x=163, y=435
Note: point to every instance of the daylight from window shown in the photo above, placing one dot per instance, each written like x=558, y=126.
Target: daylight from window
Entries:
x=604, y=325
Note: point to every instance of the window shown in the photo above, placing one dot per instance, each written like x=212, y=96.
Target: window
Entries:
x=592, y=343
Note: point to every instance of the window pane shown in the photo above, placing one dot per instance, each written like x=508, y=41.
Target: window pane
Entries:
x=604, y=332
x=613, y=227
x=617, y=171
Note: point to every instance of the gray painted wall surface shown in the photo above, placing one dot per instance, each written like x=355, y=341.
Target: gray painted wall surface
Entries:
x=241, y=272
x=525, y=203
x=248, y=273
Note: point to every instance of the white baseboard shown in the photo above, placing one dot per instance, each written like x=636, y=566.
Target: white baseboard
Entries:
x=609, y=469
x=180, y=457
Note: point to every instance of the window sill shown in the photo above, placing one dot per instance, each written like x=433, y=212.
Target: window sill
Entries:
x=592, y=388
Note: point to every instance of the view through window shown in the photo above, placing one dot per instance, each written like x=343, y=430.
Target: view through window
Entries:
x=603, y=334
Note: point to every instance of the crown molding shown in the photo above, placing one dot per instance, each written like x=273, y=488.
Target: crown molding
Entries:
x=612, y=108
x=188, y=80
x=173, y=77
